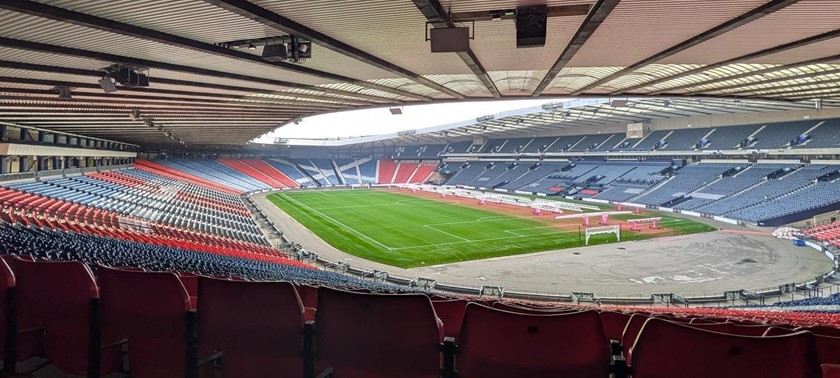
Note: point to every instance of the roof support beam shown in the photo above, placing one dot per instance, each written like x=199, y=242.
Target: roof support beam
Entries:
x=82, y=19
x=439, y=18
x=269, y=18
x=68, y=51
x=746, y=57
x=597, y=14
x=750, y=16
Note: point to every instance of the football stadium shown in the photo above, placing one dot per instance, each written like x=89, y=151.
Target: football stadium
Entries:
x=419, y=188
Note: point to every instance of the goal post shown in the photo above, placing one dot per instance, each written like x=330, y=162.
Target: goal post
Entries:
x=603, y=230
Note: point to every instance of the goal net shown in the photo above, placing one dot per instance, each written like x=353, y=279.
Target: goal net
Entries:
x=603, y=230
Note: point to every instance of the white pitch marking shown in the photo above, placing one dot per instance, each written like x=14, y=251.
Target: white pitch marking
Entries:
x=339, y=223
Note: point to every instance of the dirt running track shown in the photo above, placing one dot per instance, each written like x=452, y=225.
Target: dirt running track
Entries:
x=689, y=264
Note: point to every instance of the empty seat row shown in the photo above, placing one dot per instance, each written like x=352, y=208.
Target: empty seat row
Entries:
x=166, y=325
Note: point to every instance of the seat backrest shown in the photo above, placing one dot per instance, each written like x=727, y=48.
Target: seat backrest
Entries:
x=828, y=349
x=531, y=310
x=258, y=326
x=451, y=312
x=822, y=330
x=377, y=335
x=667, y=349
x=631, y=330
x=498, y=343
x=149, y=309
x=613, y=324
x=7, y=285
x=59, y=296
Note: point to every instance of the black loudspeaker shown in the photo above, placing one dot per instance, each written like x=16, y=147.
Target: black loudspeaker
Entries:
x=107, y=85
x=531, y=23
x=275, y=53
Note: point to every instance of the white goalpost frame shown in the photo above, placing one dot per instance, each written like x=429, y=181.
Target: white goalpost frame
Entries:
x=603, y=230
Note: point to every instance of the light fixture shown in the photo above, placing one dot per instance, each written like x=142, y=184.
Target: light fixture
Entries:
x=64, y=93
x=251, y=46
x=107, y=85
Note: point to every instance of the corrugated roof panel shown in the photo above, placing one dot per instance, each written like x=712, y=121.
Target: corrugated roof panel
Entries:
x=803, y=19
x=36, y=29
x=637, y=29
x=468, y=85
x=571, y=78
x=517, y=83
x=392, y=30
x=192, y=19
x=799, y=54
x=649, y=73
x=720, y=72
x=495, y=44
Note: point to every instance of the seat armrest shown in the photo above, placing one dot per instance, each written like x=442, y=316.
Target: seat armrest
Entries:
x=616, y=348
x=449, y=349
x=618, y=367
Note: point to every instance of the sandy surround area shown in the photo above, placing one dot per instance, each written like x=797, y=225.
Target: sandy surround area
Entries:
x=736, y=258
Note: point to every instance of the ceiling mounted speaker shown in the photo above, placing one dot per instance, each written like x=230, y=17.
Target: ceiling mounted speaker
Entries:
x=275, y=53
x=107, y=85
x=531, y=23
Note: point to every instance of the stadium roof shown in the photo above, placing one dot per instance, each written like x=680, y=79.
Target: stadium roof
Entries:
x=549, y=118
x=374, y=53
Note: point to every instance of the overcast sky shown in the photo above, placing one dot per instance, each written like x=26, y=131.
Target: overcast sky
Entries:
x=381, y=121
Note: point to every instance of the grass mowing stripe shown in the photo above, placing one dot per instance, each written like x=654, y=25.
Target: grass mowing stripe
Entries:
x=339, y=223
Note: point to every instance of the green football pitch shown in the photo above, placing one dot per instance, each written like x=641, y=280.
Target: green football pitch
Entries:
x=408, y=231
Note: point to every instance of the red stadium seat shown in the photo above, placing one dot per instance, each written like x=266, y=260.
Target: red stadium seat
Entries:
x=8, y=317
x=523, y=309
x=60, y=298
x=309, y=297
x=631, y=331
x=451, y=312
x=377, y=335
x=498, y=343
x=613, y=324
x=257, y=326
x=151, y=311
x=667, y=349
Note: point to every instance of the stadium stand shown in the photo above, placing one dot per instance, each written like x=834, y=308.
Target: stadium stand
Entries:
x=423, y=172
x=686, y=180
x=405, y=170
x=515, y=145
x=826, y=135
x=325, y=168
x=778, y=135
x=311, y=171
x=266, y=169
x=540, y=144
x=367, y=170
x=243, y=167
x=289, y=170
x=730, y=138
x=386, y=171
x=348, y=171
